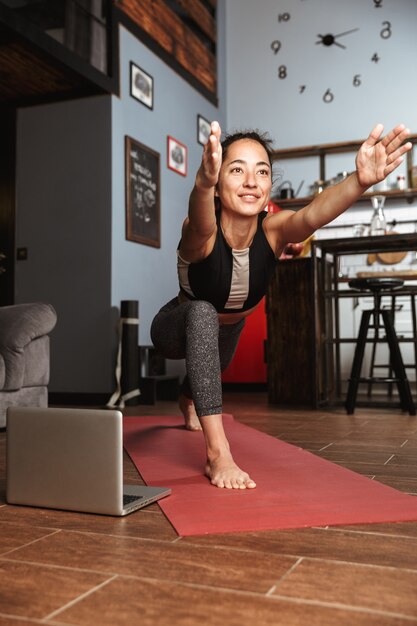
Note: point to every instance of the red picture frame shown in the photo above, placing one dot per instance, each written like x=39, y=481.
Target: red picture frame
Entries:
x=177, y=156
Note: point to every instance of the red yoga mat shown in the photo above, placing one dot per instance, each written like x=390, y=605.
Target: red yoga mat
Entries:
x=295, y=489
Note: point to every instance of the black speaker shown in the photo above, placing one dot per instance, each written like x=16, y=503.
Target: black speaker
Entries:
x=151, y=362
x=129, y=311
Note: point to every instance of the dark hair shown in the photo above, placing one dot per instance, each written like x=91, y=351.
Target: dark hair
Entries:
x=253, y=135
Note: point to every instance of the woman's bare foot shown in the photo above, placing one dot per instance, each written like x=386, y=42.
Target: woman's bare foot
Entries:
x=224, y=473
x=190, y=416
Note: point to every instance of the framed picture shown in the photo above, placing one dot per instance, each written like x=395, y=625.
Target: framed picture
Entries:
x=203, y=130
x=177, y=156
x=141, y=85
x=142, y=194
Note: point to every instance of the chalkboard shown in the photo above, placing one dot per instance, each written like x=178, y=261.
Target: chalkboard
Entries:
x=142, y=194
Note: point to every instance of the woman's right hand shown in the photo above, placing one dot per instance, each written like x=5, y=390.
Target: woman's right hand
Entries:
x=208, y=173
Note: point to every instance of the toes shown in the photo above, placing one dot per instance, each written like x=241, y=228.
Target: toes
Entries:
x=218, y=482
x=229, y=479
x=246, y=482
x=239, y=483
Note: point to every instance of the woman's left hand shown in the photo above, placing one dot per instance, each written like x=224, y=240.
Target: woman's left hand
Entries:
x=379, y=157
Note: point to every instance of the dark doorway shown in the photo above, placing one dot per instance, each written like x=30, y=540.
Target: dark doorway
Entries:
x=7, y=203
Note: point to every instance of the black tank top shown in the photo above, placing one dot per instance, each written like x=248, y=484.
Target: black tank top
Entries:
x=233, y=281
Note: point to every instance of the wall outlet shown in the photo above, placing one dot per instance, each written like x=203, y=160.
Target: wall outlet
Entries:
x=22, y=254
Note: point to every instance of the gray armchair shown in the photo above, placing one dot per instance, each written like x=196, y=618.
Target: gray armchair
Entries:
x=24, y=355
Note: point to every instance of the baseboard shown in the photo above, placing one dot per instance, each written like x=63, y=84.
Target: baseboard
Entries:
x=78, y=399
x=242, y=387
x=101, y=399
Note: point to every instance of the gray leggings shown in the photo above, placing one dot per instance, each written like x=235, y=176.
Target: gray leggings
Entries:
x=191, y=330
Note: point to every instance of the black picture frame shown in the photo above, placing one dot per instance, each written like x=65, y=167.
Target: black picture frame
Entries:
x=141, y=85
x=143, y=214
x=203, y=130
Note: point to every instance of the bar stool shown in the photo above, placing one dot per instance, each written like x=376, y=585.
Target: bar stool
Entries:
x=409, y=291
x=377, y=286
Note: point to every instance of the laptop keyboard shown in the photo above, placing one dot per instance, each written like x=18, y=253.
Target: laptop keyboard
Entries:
x=129, y=499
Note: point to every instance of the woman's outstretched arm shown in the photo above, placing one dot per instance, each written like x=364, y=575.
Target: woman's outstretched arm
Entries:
x=200, y=225
x=376, y=159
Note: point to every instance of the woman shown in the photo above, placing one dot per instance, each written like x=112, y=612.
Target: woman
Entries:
x=226, y=256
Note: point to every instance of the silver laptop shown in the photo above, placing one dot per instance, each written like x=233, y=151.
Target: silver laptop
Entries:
x=70, y=459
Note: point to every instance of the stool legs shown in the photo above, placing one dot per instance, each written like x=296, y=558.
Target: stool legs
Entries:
x=374, y=345
x=414, y=320
x=357, y=362
x=407, y=403
x=404, y=391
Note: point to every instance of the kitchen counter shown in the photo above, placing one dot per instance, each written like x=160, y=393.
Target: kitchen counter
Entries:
x=401, y=273
x=331, y=249
x=357, y=245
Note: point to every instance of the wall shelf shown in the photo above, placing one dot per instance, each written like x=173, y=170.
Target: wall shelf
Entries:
x=321, y=151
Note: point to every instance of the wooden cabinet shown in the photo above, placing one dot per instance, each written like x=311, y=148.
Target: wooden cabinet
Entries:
x=293, y=346
x=322, y=151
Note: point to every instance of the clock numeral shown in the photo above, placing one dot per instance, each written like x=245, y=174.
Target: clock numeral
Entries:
x=386, y=31
x=302, y=88
x=276, y=46
x=357, y=80
x=375, y=58
x=328, y=97
x=378, y=4
x=284, y=17
x=282, y=71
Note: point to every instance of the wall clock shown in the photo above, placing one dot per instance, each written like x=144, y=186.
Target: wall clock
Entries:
x=341, y=49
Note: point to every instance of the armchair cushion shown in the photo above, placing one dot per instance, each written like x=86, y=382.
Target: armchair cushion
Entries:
x=24, y=346
x=2, y=372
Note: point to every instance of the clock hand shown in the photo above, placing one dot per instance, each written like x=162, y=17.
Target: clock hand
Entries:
x=347, y=32
x=330, y=40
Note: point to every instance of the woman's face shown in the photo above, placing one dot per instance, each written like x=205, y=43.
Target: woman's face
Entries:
x=245, y=178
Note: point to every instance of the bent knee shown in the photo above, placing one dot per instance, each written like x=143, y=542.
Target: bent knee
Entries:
x=201, y=310
x=202, y=318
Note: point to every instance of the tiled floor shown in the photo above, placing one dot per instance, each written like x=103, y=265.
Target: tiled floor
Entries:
x=67, y=569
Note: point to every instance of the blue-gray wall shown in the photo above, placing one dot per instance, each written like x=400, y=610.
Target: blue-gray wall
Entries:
x=256, y=96
x=141, y=272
